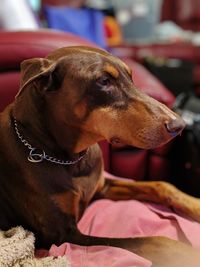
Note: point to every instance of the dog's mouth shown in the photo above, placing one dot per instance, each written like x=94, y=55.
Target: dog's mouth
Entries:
x=143, y=144
x=117, y=142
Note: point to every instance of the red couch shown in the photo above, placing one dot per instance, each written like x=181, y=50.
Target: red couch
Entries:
x=127, y=162
x=183, y=51
x=184, y=13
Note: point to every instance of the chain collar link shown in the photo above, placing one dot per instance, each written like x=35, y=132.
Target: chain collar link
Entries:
x=37, y=155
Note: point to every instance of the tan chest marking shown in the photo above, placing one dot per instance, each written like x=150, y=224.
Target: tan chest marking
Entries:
x=67, y=202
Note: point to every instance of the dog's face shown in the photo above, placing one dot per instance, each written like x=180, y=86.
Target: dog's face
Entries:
x=93, y=91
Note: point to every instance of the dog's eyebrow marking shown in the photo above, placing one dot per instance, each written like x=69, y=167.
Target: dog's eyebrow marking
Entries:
x=123, y=64
x=111, y=70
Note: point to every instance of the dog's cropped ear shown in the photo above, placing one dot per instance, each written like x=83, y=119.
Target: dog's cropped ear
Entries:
x=34, y=69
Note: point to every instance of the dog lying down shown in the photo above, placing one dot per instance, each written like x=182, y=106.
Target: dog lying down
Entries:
x=50, y=163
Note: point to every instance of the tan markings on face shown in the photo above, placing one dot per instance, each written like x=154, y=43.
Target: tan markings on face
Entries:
x=111, y=70
x=139, y=125
x=122, y=65
x=97, y=127
x=80, y=109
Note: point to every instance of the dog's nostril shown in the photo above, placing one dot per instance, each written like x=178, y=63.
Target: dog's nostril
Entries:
x=176, y=126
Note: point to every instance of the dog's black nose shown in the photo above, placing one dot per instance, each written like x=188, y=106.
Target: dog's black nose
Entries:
x=174, y=127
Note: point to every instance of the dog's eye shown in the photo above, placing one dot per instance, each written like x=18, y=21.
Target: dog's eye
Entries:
x=103, y=81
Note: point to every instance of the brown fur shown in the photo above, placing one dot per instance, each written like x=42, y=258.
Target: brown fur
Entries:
x=68, y=102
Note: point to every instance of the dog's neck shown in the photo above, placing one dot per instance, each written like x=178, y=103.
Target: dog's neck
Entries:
x=42, y=132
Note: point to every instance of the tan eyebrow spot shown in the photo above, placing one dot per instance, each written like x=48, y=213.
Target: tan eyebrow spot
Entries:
x=80, y=109
x=126, y=67
x=111, y=70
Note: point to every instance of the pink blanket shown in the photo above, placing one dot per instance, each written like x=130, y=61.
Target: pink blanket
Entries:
x=125, y=219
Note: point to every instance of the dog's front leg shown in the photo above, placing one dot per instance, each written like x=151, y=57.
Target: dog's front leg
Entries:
x=157, y=192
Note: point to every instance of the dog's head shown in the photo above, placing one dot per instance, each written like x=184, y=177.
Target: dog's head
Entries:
x=93, y=91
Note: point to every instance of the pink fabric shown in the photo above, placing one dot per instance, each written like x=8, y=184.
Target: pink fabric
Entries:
x=125, y=219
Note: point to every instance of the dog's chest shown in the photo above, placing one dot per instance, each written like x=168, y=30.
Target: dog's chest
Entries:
x=81, y=185
x=87, y=179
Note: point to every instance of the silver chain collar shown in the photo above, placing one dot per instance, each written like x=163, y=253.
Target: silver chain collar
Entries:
x=37, y=155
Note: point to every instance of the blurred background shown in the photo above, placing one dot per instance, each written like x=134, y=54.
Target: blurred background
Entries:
x=158, y=39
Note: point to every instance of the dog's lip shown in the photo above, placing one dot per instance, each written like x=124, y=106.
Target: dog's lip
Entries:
x=117, y=142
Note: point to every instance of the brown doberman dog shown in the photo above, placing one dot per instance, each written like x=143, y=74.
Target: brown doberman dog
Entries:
x=51, y=166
